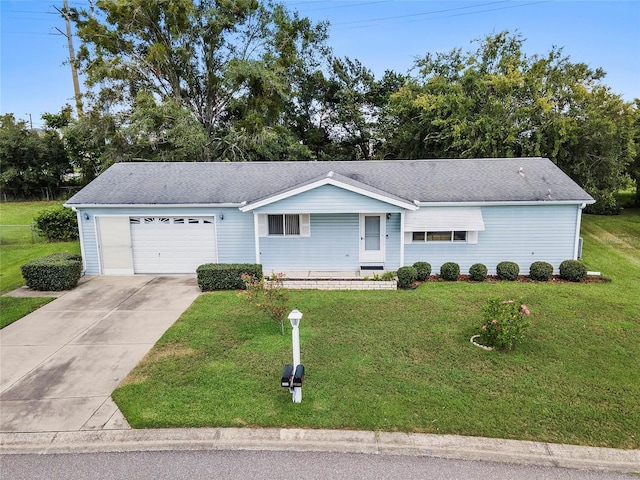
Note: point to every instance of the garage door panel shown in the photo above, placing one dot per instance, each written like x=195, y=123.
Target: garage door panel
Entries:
x=172, y=244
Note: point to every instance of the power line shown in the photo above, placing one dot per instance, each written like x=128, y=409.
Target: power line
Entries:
x=449, y=16
x=420, y=14
x=351, y=5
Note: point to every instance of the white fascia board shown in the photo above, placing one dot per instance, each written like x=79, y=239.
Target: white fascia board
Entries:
x=154, y=205
x=328, y=181
x=504, y=203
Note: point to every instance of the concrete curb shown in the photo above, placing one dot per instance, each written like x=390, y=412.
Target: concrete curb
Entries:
x=337, y=441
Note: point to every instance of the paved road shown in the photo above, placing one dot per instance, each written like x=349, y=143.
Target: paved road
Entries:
x=260, y=465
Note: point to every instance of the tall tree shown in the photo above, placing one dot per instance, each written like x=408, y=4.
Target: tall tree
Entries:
x=357, y=100
x=497, y=101
x=94, y=142
x=165, y=132
x=231, y=64
x=32, y=163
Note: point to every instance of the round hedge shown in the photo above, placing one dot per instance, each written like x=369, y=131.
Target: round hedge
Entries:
x=573, y=270
x=450, y=271
x=507, y=270
x=540, y=271
x=478, y=272
x=423, y=269
x=406, y=276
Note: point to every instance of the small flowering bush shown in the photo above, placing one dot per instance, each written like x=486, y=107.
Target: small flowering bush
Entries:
x=504, y=323
x=269, y=296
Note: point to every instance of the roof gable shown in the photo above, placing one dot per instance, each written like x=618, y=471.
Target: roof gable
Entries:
x=335, y=180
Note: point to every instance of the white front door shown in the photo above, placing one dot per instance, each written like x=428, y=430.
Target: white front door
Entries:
x=372, y=238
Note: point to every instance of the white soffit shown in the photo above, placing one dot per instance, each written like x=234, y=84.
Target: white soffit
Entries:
x=436, y=219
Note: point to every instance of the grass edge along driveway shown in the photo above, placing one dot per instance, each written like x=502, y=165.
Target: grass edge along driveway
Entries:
x=16, y=249
x=402, y=361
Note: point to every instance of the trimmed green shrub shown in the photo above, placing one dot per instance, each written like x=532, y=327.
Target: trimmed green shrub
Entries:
x=573, y=270
x=450, y=271
x=55, y=272
x=478, y=272
x=406, y=276
x=57, y=225
x=507, y=270
x=540, y=271
x=226, y=276
x=423, y=269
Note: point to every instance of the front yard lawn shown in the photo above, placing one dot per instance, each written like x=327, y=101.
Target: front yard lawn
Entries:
x=16, y=249
x=402, y=361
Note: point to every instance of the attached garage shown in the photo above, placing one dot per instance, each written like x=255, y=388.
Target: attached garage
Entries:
x=156, y=245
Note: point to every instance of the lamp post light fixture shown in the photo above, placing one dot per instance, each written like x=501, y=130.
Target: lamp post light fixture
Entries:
x=296, y=387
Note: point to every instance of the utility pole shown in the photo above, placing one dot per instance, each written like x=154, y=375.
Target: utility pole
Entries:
x=72, y=58
x=30, y=120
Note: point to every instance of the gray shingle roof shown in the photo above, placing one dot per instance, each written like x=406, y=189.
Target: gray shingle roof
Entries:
x=460, y=180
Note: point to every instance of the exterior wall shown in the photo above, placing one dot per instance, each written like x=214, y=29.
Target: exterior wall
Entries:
x=234, y=233
x=329, y=199
x=393, y=242
x=236, y=239
x=521, y=234
x=333, y=245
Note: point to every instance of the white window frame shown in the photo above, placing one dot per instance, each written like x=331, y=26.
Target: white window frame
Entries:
x=304, y=225
x=470, y=237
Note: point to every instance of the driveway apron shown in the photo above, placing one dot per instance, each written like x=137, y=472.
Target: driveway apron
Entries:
x=59, y=365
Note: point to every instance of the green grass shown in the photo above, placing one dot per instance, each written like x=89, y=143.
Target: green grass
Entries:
x=15, y=308
x=402, y=361
x=16, y=249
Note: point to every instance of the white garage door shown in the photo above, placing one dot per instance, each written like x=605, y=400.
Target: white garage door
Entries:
x=172, y=244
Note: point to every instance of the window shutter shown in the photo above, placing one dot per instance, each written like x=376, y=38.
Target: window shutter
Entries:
x=472, y=237
x=263, y=230
x=305, y=225
x=408, y=237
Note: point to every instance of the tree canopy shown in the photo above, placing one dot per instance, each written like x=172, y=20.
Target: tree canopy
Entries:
x=233, y=65
x=246, y=80
x=496, y=101
x=32, y=163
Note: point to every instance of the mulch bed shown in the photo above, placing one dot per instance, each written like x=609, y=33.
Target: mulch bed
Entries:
x=521, y=279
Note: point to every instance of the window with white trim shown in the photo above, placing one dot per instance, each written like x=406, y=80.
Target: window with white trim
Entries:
x=284, y=225
x=442, y=236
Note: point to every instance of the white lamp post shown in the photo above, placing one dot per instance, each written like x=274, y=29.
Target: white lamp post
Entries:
x=294, y=317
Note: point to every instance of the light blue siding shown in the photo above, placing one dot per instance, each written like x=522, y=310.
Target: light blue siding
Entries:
x=393, y=243
x=90, y=244
x=333, y=245
x=335, y=232
x=328, y=199
x=521, y=234
x=235, y=238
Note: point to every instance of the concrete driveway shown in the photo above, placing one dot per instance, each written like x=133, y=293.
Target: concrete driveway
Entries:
x=59, y=365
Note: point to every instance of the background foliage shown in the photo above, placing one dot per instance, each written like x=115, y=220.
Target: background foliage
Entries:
x=248, y=80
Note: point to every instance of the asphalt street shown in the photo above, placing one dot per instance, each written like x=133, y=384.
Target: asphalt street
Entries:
x=269, y=465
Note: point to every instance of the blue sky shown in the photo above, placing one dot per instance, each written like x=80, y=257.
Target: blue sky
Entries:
x=382, y=34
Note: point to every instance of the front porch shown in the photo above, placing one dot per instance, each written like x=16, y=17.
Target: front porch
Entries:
x=336, y=280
